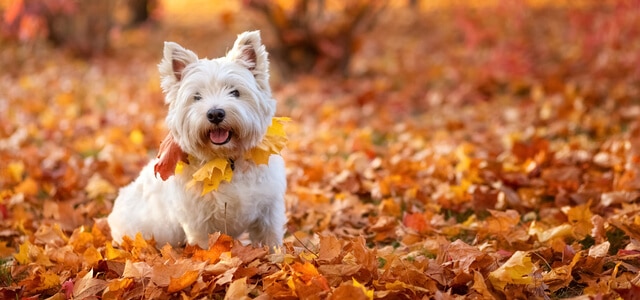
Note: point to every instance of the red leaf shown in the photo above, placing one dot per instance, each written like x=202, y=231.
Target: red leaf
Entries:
x=416, y=221
x=168, y=156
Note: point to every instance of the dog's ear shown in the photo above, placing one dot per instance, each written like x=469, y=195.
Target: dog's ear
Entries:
x=176, y=58
x=249, y=52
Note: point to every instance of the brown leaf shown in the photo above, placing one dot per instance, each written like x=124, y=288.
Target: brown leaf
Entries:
x=247, y=253
x=348, y=291
x=330, y=249
x=238, y=289
x=88, y=286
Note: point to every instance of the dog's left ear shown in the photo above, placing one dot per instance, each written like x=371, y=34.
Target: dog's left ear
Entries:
x=175, y=60
x=249, y=52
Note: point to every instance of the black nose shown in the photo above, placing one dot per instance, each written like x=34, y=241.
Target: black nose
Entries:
x=215, y=116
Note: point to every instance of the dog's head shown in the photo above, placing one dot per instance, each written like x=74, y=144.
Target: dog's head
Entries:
x=218, y=107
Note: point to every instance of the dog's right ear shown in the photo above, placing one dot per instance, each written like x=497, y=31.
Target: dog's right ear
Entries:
x=176, y=58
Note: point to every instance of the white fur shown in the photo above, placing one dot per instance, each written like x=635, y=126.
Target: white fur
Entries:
x=253, y=201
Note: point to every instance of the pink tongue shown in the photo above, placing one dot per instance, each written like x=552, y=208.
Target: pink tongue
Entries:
x=219, y=136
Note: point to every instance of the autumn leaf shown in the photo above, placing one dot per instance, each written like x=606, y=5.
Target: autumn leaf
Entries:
x=517, y=270
x=92, y=256
x=88, y=286
x=168, y=157
x=416, y=221
x=561, y=276
x=274, y=141
x=182, y=282
x=368, y=293
x=218, y=244
x=330, y=249
x=29, y=253
x=112, y=253
x=238, y=289
x=580, y=219
x=212, y=174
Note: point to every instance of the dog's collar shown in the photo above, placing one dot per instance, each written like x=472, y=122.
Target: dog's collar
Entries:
x=232, y=164
x=217, y=170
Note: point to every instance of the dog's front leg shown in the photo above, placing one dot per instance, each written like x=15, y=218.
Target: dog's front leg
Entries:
x=196, y=236
x=268, y=231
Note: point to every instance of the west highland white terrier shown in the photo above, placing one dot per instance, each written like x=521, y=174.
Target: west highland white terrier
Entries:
x=220, y=110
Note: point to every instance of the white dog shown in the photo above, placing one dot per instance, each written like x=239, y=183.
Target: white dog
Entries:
x=218, y=108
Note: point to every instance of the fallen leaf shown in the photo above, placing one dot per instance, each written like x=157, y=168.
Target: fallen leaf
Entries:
x=330, y=249
x=182, y=282
x=517, y=270
x=238, y=289
x=88, y=286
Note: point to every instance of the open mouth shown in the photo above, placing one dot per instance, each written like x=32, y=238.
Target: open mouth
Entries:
x=220, y=136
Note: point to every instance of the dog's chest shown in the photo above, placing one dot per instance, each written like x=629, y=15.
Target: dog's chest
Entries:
x=234, y=205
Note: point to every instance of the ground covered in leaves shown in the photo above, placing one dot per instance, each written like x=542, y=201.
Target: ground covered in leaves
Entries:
x=471, y=153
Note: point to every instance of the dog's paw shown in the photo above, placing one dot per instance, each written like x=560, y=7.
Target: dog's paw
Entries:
x=168, y=156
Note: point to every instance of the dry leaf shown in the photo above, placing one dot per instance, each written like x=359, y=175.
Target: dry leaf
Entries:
x=168, y=157
x=517, y=270
x=238, y=289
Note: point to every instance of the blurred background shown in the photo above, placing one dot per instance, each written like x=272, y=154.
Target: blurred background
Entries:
x=497, y=38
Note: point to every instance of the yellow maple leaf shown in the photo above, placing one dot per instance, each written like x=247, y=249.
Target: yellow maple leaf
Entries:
x=23, y=253
x=367, y=292
x=119, y=284
x=111, y=253
x=212, y=174
x=274, y=141
x=49, y=280
x=92, y=256
x=30, y=253
x=580, y=219
x=517, y=270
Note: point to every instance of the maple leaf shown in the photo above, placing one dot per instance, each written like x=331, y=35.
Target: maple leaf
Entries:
x=91, y=256
x=212, y=174
x=111, y=253
x=273, y=142
x=117, y=288
x=168, y=157
x=416, y=221
x=218, y=244
x=561, y=276
x=580, y=219
x=88, y=286
x=517, y=270
x=182, y=282
x=368, y=293
x=238, y=289
x=29, y=253
x=330, y=249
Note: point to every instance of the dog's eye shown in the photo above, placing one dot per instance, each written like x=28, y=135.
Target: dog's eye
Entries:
x=235, y=93
x=197, y=97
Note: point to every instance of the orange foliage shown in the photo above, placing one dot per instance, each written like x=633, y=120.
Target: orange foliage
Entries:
x=477, y=153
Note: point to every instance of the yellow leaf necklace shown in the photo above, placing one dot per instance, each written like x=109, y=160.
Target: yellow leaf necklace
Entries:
x=218, y=169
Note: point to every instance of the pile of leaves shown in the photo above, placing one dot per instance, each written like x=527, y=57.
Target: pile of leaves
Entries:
x=467, y=156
